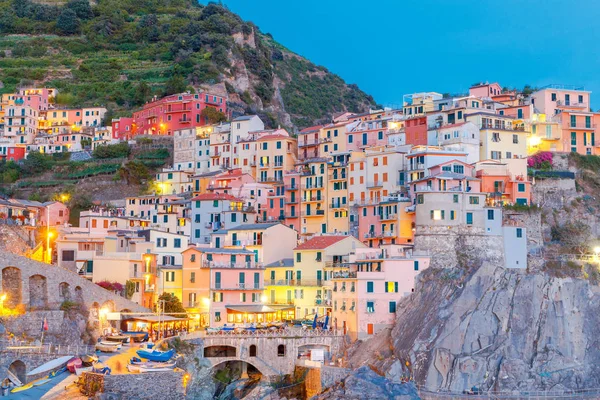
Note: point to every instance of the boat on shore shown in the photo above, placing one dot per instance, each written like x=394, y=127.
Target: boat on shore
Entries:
x=51, y=365
x=73, y=363
x=107, y=348
x=117, y=338
x=88, y=360
x=137, y=336
x=151, y=366
x=156, y=355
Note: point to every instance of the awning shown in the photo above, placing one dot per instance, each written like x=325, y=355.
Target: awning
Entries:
x=257, y=308
x=156, y=318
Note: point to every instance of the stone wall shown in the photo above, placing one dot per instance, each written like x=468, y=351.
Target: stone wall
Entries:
x=332, y=375
x=155, y=385
x=449, y=248
x=47, y=286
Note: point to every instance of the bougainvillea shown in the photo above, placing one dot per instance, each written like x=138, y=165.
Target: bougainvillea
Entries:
x=541, y=160
x=112, y=286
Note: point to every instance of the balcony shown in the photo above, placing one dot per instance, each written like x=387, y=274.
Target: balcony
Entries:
x=338, y=204
x=236, y=286
x=215, y=154
x=388, y=216
x=291, y=187
x=227, y=265
x=374, y=184
x=312, y=199
x=569, y=104
x=149, y=288
x=184, y=121
x=193, y=304
x=314, y=213
x=272, y=179
x=315, y=185
x=343, y=275
x=374, y=235
x=503, y=127
x=582, y=126
x=294, y=282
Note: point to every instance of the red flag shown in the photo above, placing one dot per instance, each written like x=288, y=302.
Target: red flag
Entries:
x=45, y=325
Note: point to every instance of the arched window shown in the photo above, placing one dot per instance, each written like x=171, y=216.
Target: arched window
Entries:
x=252, y=350
x=281, y=350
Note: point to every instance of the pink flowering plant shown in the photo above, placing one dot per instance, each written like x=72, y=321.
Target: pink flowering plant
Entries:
x=541, y=160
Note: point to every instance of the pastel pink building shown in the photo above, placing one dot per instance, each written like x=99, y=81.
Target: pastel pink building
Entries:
x=56, y=211
x=365, y=297
x=362, y=134
x=236, y=286
x=168, y=114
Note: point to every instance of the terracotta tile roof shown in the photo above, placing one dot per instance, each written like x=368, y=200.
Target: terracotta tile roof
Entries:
x=320, y=242
x=273, y=136
x=214, y=196
x=311, y=129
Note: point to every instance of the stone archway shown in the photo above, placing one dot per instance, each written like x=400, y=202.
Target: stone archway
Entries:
x=38, y=291
x=64, y=291
x=19, y=369
x=12, y=286
x=220, y=351
x=109, y=305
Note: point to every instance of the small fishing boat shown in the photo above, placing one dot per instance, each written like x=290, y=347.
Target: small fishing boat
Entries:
x=57, y=372
x=117, y=338
x=226, y=328
x=49, y=366
x=73, y=363
x=156, y=355
x=137, y=336
x=150, y=366
x=118, y=345
x=41, y=382
x=106, y=348
x=88, y=360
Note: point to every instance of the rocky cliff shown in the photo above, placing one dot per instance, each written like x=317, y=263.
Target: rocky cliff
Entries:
x=500, y=330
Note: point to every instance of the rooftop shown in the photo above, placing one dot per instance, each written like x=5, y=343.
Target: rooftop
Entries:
x=213, y=196
x=321, y=242
x=250, y=227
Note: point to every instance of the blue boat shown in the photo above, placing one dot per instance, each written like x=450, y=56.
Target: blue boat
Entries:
x=156, y=355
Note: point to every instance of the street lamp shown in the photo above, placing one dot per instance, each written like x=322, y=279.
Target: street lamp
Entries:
x=2, y=299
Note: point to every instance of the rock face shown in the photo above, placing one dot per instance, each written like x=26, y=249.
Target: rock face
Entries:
x=365, y=384
x=500, y=329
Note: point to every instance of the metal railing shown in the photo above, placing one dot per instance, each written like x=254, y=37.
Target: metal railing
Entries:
x=54, y=349
x=294, y=282
x=281, y=333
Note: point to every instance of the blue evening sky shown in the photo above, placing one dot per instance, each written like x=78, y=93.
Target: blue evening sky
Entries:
x=393, y=47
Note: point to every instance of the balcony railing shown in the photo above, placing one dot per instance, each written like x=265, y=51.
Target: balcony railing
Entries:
x=562, y=103
x=314, y=213
x=338, y=204
x=215, y=154
x=374, y=184
x=323, y=302
x=294, y=282
x=388, y=216
x=582, y=126
x=224, y=265
x=372, y=235
x=236, y=286
x=315, y=185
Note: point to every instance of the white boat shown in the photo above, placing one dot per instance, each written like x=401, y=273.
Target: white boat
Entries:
x=118, y=345
x=59, y=362
x=151, y=367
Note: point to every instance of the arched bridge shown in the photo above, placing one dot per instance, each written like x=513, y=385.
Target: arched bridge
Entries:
x=273, y=353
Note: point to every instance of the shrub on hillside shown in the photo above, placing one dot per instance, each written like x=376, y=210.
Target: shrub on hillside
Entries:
x=119, y=150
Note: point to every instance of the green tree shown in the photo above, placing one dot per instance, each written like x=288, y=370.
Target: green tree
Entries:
x=36, y=163
x=172, y=304
x=67, y=22
x=118, y=150
x=129, y=289
x=81, y=8
x=175, y=84
x=214, y=116
x=134, y=172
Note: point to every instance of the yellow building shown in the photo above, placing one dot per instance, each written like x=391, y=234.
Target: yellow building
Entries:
x=276, y=153
x=332, y=138
x=170, y=280
x=337, y=194
x=313, y=197
x=501, y=138
x=545, y=135
x=316, y=261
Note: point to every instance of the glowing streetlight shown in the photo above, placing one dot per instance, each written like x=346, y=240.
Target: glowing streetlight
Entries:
x=597, y=250
x=263, y=298
x=2, y=299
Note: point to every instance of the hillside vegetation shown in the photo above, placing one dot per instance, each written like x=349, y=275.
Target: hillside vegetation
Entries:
x=120, y=53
